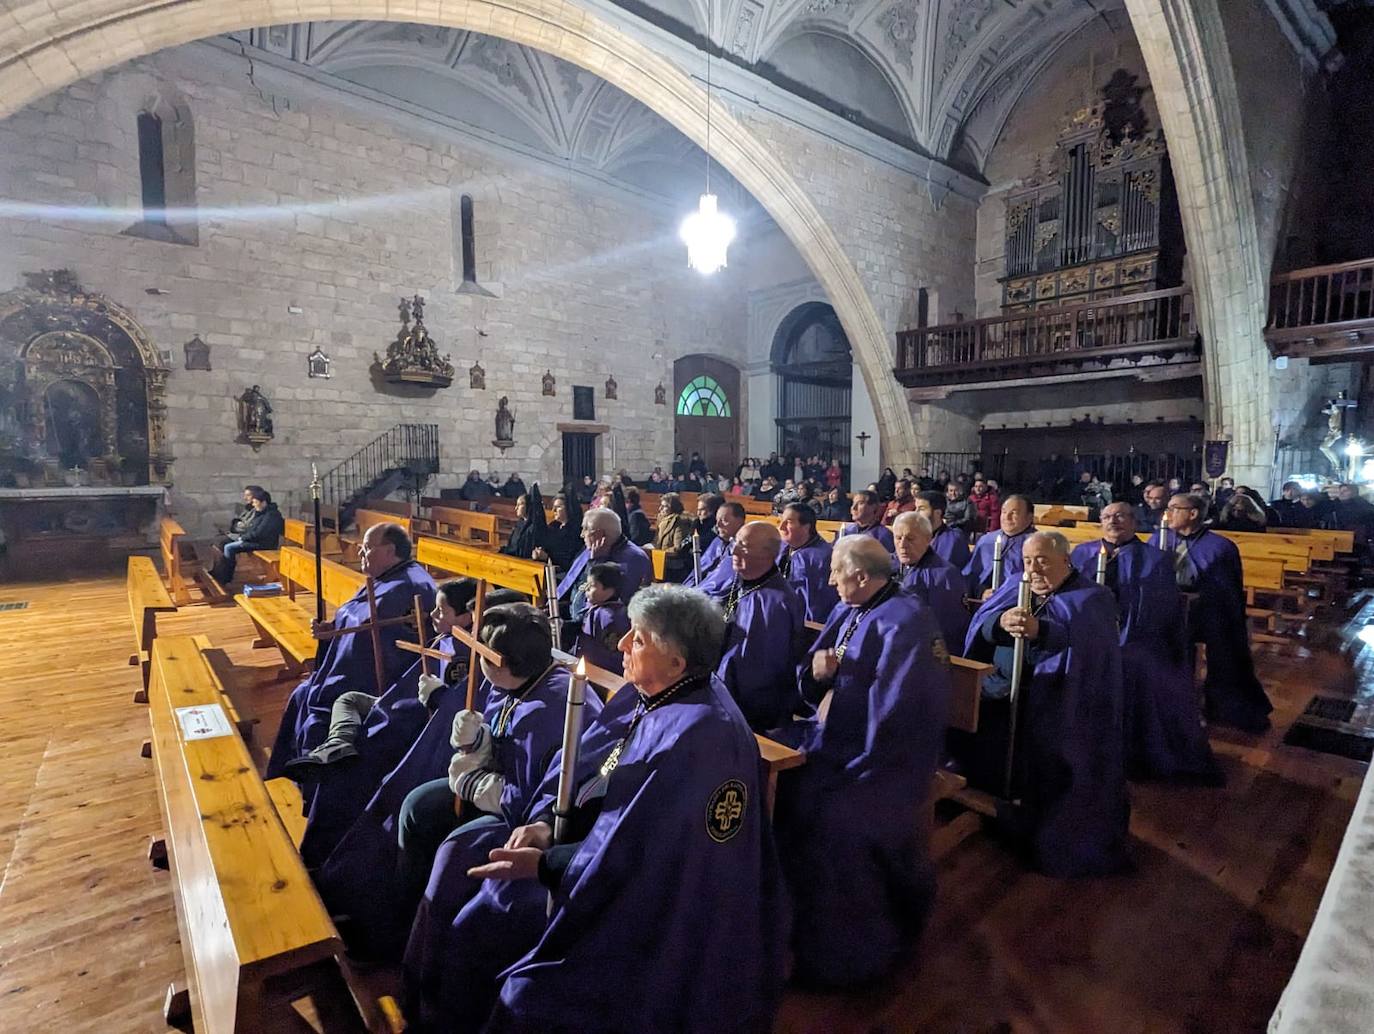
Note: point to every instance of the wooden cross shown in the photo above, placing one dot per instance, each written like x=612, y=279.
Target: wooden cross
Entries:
x=373, y=626
x=469, y=639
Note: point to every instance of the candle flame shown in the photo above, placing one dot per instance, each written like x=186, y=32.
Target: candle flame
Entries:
x=581, y=670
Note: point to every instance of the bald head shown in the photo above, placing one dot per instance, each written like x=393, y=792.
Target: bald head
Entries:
x=1118, y=523
x=911, y=534
x=756, y=549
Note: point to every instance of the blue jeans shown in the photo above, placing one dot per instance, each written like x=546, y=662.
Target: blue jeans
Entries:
x=224, y=571
x=427, y=817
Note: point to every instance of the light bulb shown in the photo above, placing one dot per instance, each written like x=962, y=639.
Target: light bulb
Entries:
x=707, y=232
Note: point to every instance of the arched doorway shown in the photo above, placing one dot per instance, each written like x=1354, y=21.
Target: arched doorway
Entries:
x=706, y=414
x=815, y=370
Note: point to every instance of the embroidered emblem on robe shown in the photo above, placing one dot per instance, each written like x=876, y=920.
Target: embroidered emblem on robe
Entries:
x=725, y=810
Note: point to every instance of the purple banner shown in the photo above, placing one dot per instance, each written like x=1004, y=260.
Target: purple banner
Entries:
x=1214, y=458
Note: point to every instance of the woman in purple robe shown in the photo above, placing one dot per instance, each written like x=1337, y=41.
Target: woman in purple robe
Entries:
x=930, y=578
x=1165, y=734
x=1069, y=800
x=852, y=822
x=805, y=561
x=671, y=821
x=348, y=661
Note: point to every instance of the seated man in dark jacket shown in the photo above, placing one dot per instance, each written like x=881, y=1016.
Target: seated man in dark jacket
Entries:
x=260, y=531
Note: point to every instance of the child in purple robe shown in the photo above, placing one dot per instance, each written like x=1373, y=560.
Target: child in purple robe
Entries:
x=605, y=621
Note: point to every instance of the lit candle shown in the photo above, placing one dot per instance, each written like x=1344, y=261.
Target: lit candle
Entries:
x=572, y=738
x=997, y=549
x=1102, y=565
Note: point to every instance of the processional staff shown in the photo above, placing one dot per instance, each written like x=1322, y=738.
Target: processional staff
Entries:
x=551, y=598
x=322, y=647
x=998, y=547
x=572, y=740
x=1018, y=663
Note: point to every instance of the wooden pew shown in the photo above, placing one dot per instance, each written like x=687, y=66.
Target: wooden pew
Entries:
x=255, y=935
x=301, y=532
x=170, y=534
x=829, y=530
x=510, y=572
x=148, y=597
x=1341, y=541
x=468, y=527
x=402, y=510
x=1053, y=514
x=285, y=623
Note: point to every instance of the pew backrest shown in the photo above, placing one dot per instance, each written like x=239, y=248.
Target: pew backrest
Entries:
x=339, y=583
x=295, y=532
x=468, y=527
x=365, y=519
x=510, y=572
x=829, y=530
x=148, y=597
x=1059, y=513
x=1341, y=541
x=391, y=506
x=170, y=534
x=965, y=692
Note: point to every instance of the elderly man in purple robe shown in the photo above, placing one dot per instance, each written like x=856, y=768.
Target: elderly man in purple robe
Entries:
x=1165, y=735
x=1017, y=524
x=716, y=569
x=466, y=766
x=930, y=578
x=764, y=621
x=949, y=542
x=348, y=660
x=604, y=541
x=852, y=822
x=805, y=561
x=1069, y=800
x=368, y=735
x=668, y=857
x=1208, y=565
x=866, y=518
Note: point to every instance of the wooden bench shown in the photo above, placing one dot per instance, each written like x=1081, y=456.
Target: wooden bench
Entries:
x=526, y=576
x=170, y=534
x=1340, y=541
x=148, y=597
x=300, y=532
x=255, y=935
x=283, y=622
x=468, y=527
x=1053, y=514
x=829, y=530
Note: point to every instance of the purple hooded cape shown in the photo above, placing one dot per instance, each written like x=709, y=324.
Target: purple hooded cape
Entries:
x=713, y=556
x=448, y=972
x=851, y=822
x=1216, y=618
x=940, y=586
x=671, y=916
x=951, y=544
x=978, y=570
x=358, y=878
x=1070, y=769
x=1165, y=737
x=635, y=565
x=877, y=531
x=808, y=571
x=347, y=662
x=603, y=626
x=758, y=662
x=389, y=730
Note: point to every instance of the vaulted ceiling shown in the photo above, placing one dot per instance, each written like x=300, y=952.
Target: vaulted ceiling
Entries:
x=936, y=76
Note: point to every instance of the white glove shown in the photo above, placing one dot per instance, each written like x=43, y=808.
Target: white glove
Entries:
x=460, y=766
x=482, y=787
x=469, y=732
x=428, y=684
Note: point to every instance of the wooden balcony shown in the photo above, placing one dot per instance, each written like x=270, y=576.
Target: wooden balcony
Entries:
x=1326, y=312
x=1157, y=326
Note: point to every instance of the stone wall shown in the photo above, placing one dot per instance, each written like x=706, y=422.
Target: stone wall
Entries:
x=338, y=212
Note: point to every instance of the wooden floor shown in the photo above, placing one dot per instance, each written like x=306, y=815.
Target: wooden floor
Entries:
x=1201, y=938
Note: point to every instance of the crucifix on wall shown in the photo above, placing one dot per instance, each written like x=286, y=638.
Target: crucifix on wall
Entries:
x=863, y=441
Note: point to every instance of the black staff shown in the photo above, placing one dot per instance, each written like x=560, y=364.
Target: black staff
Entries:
x=323, y=646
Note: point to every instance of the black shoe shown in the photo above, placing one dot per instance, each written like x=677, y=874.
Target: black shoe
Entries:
x=312, y=764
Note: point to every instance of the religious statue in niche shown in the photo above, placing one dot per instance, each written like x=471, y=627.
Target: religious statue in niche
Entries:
x=1335, y=411
x=505, y=425
x=317, y=364
x=197, y=354
x=477, y=377
x=550, y=385
x=255, y=418
x=413, y=358
x=611, y=387
x=660, y=395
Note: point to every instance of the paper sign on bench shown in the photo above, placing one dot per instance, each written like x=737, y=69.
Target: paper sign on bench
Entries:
x=203, y=722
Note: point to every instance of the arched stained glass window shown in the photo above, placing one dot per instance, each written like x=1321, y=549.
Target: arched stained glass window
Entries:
x=703, y=397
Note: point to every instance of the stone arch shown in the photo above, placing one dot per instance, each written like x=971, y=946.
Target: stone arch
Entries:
x=60, y=44
x=1188, y=57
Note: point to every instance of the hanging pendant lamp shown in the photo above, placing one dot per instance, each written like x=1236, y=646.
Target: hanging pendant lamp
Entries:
x=707, y=232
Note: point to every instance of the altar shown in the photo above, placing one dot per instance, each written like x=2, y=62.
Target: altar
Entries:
x=43, y=528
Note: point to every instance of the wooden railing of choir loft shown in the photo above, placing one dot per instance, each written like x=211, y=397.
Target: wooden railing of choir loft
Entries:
x=1153, y=323
x=1338, y=299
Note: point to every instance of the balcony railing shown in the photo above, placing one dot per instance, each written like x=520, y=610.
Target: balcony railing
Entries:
x=1322, y=310
x=1050, y=341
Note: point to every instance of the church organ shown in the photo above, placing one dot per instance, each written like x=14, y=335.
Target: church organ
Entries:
x=1095, y=221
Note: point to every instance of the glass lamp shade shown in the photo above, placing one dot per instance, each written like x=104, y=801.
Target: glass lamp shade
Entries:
x=707, y=232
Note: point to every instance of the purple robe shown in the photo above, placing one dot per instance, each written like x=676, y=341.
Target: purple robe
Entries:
x=603, y=626
x=447, y=972
x=851, y=823
x=347, y=662
x=940, y=586
x=876, y=531
x=359, y=877
x=808, y=571
x=762, y=639
x=713, y=556
x=1165, y=736
x=1070, y=766
x=978, y=570
x=952, y=544
x=1216, y=618
x=388, y=731
x=636, y=568
x=671, y=915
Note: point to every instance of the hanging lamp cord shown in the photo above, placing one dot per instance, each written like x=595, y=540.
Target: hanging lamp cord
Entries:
x=710, y=25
